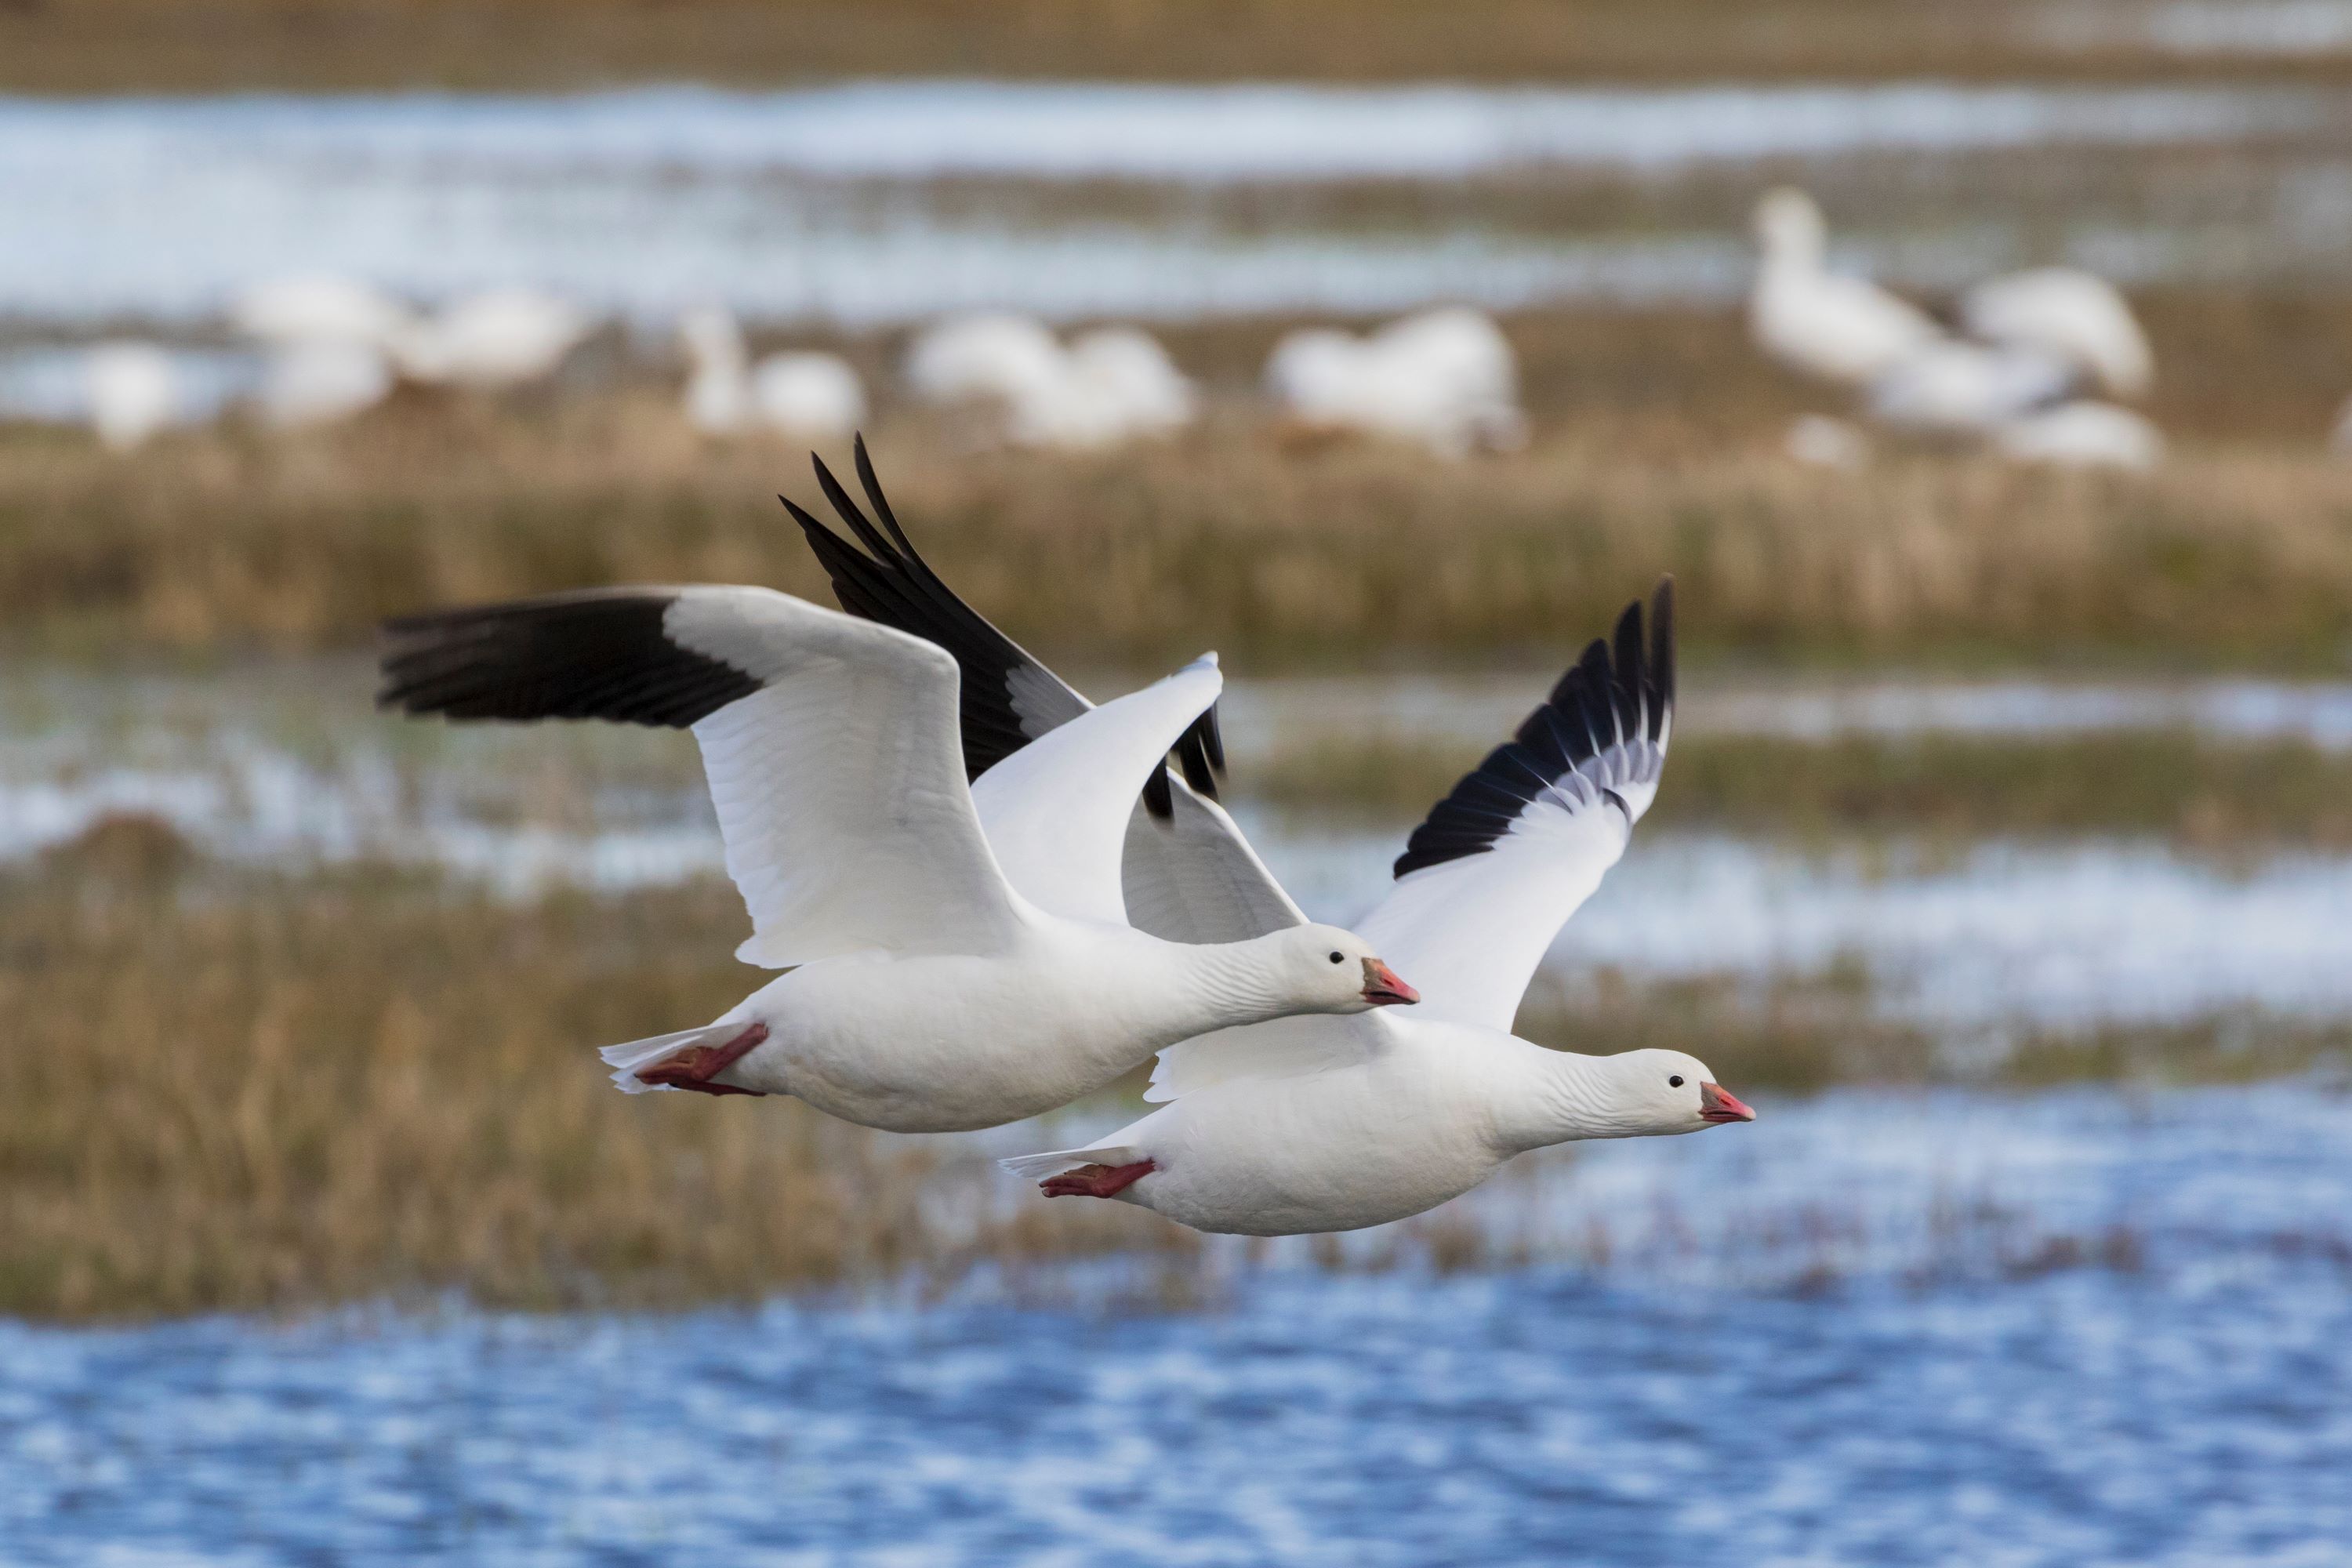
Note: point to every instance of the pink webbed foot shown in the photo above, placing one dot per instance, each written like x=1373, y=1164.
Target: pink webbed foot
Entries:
x=1096, y=1181
x=694, y=1068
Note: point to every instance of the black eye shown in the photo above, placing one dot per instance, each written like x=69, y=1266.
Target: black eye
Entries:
x=1675, y=1082
x=1337, y=959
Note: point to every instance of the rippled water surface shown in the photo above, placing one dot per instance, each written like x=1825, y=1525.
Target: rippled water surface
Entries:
x=1807, y=1347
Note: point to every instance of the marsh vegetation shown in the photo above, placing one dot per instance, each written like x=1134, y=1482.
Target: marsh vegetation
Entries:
x=1656, y=449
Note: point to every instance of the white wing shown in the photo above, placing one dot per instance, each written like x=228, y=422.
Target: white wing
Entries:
x=1488, y=879
x=1057, y=810
x=830, y=745
x=1282, y=1047
x=1190, y=876
x=1499, y=864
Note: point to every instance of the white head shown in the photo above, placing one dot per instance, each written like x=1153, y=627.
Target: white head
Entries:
x=1323, y=969
x=1642, y=1094
x=1789, y=227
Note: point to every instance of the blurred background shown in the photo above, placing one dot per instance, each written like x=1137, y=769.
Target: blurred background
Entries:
x=2004, y=862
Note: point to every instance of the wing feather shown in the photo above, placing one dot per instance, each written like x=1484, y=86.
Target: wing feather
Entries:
x=1500, y=864
x=830, y=745
x=1190, y=874
x=1056, y=811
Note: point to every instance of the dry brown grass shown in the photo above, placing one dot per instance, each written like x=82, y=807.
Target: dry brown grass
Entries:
x=85, y=46
x=218, y=1093
x=1344, y=555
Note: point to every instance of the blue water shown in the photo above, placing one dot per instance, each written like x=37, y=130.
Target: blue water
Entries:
x=2082, y=1419
x=2148, y=1361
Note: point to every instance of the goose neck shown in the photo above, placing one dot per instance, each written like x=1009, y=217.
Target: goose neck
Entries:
x=1222, y=985
x=1554, y=1097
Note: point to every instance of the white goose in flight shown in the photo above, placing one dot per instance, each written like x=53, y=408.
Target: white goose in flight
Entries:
x=1316, y=1124
x=958, y=954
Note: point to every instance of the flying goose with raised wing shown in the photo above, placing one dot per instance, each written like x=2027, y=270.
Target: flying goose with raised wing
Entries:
x=956, y=954
x=1327, y=1123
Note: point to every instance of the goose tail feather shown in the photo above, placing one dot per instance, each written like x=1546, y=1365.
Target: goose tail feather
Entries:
x=1036, y=1167
x=630, y=1057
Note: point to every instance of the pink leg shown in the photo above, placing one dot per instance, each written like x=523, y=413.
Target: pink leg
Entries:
x=1096, y=1181
x=695, y=1068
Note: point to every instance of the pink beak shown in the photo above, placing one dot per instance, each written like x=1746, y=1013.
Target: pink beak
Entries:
x=1716, y=1103
x=1381, y=986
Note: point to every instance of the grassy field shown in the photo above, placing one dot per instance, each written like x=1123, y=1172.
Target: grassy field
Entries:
x=231, y=1092
x=100, y=45
x=1657, y=448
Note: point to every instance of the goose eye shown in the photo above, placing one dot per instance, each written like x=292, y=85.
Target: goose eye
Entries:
x=1675, y=1082
x=1337, y=958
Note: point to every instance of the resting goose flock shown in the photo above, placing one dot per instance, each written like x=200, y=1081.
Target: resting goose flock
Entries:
x=1332, y=1123
x=958, y=953
x=2031, y=344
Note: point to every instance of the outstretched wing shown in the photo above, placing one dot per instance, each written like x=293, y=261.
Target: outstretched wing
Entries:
x=1189, y=874
x=830, y=745
x=1009, y=698
x=1056, y=811
x=1192, y=876
x=1488, y=880
x=1500, y=864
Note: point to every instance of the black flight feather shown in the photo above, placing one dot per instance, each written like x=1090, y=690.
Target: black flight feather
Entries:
x=1620, y=689
x=880, y=576
x=599, y=654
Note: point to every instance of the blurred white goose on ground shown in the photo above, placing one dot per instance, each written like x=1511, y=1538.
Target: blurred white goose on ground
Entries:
x=2075, y=316
x=1956, y=389
x=970, y=357
x=1445, y=379
x=807, y=394
x=1109, y=386
x=1128, y=367
x=815, y=395
x=285, y=311
x=327, y=342
x=719, y=378
x=1820, y=323
x=322, y=382
x=2083, y=434
x=132, y=393
x=1818, y=441
x=492, y=341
